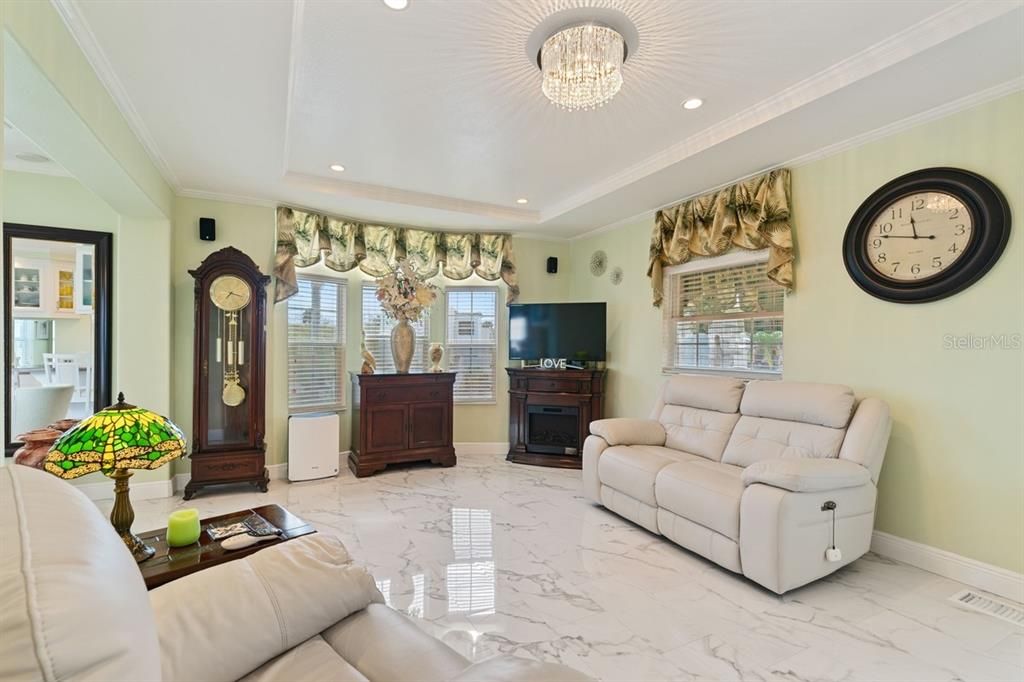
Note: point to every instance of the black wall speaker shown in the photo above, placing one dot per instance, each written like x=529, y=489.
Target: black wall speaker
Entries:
x=207, y=229
x=552, y=265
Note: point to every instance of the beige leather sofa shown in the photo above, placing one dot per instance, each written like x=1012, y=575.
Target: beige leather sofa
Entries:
x=73, y=606
x=739, y=472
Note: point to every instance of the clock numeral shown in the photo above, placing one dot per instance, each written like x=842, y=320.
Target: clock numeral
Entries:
x=885, y=228
x=896, y=213
x=915, y=269
x=954, y=214
x=916, y=204
x=960, y=230
x=895, y=266
x=876, y=243
x=953, y=248
x=936, y=262
x=881, y=257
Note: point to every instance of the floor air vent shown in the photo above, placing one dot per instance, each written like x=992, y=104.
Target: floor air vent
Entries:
x=982, y=604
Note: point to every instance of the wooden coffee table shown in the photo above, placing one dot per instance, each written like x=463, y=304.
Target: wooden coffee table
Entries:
x=171, y=563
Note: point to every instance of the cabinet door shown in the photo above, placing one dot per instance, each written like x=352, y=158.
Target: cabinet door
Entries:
x=27, y=287
x=84, y=278
x=428, y=425
x=386, y=427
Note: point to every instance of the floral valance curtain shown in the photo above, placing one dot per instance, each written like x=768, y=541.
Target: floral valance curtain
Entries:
x=753, y=214
x=303, y=238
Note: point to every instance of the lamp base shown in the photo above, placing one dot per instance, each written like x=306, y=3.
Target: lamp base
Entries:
x=122, y=516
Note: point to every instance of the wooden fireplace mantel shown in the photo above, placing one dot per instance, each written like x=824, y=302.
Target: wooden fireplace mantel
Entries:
x=582, y=389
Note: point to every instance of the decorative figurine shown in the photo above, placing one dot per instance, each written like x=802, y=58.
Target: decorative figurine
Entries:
x=369, y=362
x=436, y=353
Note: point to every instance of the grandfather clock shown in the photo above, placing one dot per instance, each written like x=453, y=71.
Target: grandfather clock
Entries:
x=229, y=381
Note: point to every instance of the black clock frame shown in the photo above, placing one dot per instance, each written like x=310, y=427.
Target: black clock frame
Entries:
x=990, y=215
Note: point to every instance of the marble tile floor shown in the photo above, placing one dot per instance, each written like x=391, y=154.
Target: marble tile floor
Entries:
x=492, y=557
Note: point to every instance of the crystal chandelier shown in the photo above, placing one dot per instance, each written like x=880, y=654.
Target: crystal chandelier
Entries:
x=582, y=66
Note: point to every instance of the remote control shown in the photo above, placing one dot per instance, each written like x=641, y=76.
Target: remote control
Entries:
x=259, y=526
x=245, y=540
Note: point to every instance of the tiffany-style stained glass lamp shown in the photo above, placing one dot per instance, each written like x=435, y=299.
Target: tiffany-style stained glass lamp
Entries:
x=117, y=440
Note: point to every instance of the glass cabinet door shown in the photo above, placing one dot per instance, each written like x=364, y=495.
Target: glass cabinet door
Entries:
x=84, y=279
x=228, y=377
x=65, y=291
x=27, y=288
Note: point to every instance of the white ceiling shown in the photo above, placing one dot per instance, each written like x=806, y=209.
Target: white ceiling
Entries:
x=436, y=111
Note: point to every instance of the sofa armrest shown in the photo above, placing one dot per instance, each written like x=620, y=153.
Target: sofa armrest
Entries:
x=512, y=669
x=625, y=431
x=221, y=623
x=807, y=475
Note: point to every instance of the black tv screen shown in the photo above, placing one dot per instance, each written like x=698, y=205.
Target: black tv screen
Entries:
x=574, y=331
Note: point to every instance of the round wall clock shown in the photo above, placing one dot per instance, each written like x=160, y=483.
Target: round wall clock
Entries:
x=926, y=235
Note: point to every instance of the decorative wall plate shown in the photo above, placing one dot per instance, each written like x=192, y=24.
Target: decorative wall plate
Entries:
x=598, y=263
x=616, y=276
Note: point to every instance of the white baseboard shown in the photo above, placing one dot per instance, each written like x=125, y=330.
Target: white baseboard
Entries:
x=481, y=449
x=1000, y=581
x=146, y=490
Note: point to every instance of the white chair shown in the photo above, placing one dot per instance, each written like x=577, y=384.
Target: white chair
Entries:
x=49, y=367
x=36, y=406
x=69, y=372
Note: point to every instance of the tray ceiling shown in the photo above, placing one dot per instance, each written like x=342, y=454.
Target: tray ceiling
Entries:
x=437, y=115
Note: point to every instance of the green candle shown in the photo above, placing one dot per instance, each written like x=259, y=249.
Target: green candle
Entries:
x=183, y=527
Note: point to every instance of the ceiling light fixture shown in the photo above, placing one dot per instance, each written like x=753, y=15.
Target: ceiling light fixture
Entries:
x=582, y=66
x=337, y=167
x=32, y=157
x=693, y=103
x=397, y=4
x=522, y=201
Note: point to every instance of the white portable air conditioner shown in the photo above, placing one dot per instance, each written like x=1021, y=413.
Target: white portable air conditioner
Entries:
x=312, y=446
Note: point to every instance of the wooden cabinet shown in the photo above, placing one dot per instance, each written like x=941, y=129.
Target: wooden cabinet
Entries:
x=401, y=418
x=550, y=411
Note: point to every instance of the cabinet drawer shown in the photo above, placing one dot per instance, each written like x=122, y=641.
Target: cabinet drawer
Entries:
x=409, y=394
x=555, y=385
x=225, y=466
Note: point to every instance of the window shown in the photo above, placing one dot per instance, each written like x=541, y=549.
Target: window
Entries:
x=723, y=315
x=472, y=340
x=316, y=345
x=377, y=327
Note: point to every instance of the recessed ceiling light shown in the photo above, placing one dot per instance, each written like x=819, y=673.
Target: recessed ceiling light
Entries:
x=522, y=201
x=337, y=167
x=397, y=4
x=693, y=103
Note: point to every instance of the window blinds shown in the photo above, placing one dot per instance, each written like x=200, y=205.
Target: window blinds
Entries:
x=316, y=345
x=377, y=327
x=471, y=333
x=724, y=319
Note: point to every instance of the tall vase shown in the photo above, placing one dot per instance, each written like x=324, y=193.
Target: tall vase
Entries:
x=403, y=342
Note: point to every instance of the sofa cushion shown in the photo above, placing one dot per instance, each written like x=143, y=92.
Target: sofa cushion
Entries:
x=824, y=404
x=721, y=394
x=697, y=431
x=631, y=469
x=383, y=644
x=312, y=661
x=756, y=439
x=73, y=602
x=707, y=493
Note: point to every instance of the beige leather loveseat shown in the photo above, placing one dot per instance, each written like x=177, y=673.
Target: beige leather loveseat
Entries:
x=73, y=606
x=741, y=473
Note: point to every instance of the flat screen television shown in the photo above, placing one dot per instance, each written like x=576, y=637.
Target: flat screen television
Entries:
x=574, y=331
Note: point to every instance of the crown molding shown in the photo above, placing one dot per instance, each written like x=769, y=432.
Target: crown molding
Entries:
x=913, y=40
x=229, y=198
x=97, y=58
x=950, y=108
x=52, y=168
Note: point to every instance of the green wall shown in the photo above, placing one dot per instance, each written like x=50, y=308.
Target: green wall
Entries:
x=954, y=472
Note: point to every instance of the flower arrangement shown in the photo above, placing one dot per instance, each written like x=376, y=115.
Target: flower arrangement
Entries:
x=403, y=294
